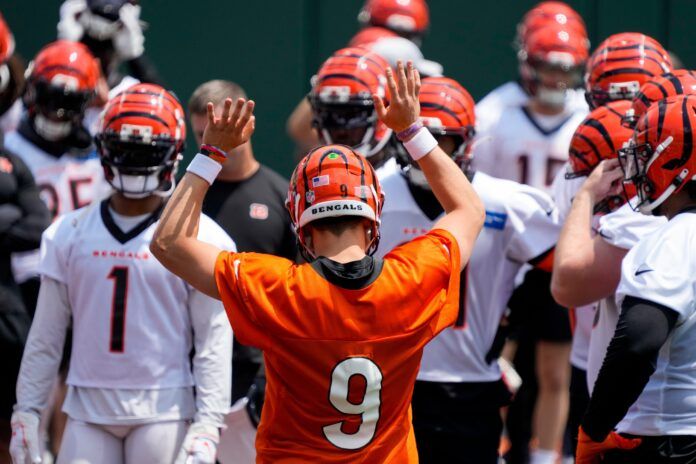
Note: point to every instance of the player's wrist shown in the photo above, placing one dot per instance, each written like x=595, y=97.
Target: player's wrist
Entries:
x=205, y=167
x=407, y=134
x=214, y=152
x=420, y=144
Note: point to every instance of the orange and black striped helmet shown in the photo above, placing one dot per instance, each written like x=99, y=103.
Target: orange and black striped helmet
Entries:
x=546, y=14
x=660, y=158
x=678, y=82
x=597, y=138
x=140, y=137
x=334, y=181
x=621, y=65
x=447, y=109
x=409, y=18
x=341, y=99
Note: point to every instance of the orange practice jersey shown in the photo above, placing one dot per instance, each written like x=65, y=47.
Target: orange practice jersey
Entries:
x=340, y=363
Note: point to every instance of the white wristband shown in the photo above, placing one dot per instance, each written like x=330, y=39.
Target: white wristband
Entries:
x=204, y=167
x=420, y=144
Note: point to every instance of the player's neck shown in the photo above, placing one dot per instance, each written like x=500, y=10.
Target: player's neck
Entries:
x=675, y=204
x=241, y=165
x=345, y=248
x=537, y=107
x=134, y=206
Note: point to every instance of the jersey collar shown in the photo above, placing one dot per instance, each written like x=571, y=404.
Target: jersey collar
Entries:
x=116, y=232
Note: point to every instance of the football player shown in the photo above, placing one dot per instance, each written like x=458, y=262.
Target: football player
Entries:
x=51, y=139
x=408, y=18
x=131, y=377
x=459, y=390
x=645, y=387
x=343, y=334
x=11, y=81
x=517, y=93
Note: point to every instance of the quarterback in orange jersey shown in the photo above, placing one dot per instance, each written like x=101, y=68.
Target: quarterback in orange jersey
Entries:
x=343, y=334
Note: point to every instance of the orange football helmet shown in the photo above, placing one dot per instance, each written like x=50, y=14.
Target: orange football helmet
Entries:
x=62, y=81
x=597, y=138
x=370, y=35
x=333, y=181
x=556, y=49
x=546, y=14
x=621, y=65
x=341, y=99
x=660, y=158
x=408, y=18
x=678, y=82
x=140, y=139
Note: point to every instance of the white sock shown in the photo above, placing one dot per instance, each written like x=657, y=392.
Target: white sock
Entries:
x=543, y=456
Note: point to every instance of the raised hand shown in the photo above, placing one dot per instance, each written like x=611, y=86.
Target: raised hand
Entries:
x=605, y=180
x=233, y=128
x=404, y=108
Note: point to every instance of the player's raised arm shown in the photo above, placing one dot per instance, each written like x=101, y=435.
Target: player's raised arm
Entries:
x=464, y=211
x=175, y=243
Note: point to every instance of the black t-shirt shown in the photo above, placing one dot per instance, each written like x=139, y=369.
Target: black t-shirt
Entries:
x=252, y=212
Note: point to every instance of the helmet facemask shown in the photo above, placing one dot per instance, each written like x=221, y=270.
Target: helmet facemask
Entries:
x=136, y=169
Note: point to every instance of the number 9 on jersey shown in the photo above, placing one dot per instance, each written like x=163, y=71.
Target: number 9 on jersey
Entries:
x=342, y=399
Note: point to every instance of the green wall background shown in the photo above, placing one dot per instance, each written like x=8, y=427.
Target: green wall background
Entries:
x=272, y=47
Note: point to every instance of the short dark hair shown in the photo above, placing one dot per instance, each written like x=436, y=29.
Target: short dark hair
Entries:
x=337, y=224
x=215, y=91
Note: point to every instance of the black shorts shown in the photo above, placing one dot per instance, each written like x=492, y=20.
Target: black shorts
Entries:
x=677, y=449
x=533, y=310
x=458, y=422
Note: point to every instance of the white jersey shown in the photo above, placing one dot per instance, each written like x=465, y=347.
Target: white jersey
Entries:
x=527, y=148
x=389, y=167
x=520, y=226
x=662, y=268
x=65, y=183
x=238, y=437
x=623, y=228
x=131, y=324
x=563, y=191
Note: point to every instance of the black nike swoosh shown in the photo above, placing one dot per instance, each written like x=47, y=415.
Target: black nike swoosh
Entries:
x=642, y=271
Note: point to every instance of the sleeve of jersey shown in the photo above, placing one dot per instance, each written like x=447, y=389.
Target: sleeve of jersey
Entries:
x=245, y=282
x=54, y=242
x=534, y=222
x=624, y=227
x=655, y=270
x=431, y=263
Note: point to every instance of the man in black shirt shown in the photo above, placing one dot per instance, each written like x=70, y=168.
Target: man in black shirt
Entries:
x=248, y=201
x=23, y=217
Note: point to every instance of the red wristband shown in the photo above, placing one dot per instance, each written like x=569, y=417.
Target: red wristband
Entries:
x=214, y=152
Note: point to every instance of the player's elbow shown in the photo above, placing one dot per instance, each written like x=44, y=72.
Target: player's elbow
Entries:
x=566, y=283
x=161, y=248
